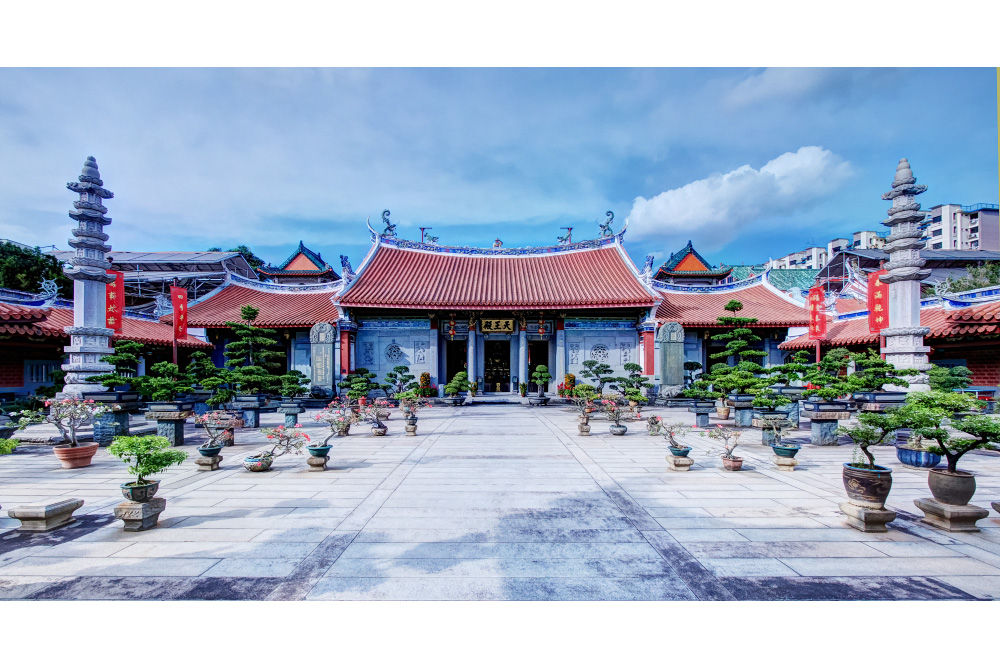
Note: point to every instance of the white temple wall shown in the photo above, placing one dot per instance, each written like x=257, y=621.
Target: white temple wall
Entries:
x=383, y=344
x=614, y=343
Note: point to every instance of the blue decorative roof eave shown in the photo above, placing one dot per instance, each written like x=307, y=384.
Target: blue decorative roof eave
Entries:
x=316, y=259
x=677, y=257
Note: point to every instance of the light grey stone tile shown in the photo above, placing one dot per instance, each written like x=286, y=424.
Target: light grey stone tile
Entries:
x=984, y=587
x=890, y=566
x=697, y=535
x=755, y=566
x=171, y=534
x=914, y=549
x=301, y=534
x=582, y=535
x=822, y=534
x=105, y=566
x=77, y=549
x=19, y=587
x=216, y=549
x=502, y=550
x=740, y=523
x=254, y=568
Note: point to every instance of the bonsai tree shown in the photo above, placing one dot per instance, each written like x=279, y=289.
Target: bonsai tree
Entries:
x=825, y=379
x=338, y=416
x=949, y=379
x=67, y=415
x=873, y=373
x=282, y=440
x=410, y=402
x=359, y=384
x=458, y=384
x=671, y=431
x=866, y=433
x=924, y=412
x=126, y=361
x=598, y=373
x=614, y=408
x=541, y=378
x=252, y=366
x=293, y=384
x=583, y=398
x=632, y=385
x=400, y=380
x=164, y=382
x=147, y=455
x=746, y=375
x=792, y=370
x=690, y=367
x=729, y=438
x=373, y=413
x=219, y=426
x=200, y=368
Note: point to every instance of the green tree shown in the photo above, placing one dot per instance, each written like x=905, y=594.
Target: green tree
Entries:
x=126, y=361
x=148, y=454
x=948, y=379
x=632, y=385
x=248, y=254
x=541, y=378
x=747, y=375
x=458, y=383
x=400, y=379
x=251, y=366
x=983, y=274
x=598, y=373
x=24, y=269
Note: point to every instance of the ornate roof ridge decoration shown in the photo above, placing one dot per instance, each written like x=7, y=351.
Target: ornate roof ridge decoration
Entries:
x=435, y=248
x=323, y=266
x=659, y=285
x=688, y=250
x=240, y=281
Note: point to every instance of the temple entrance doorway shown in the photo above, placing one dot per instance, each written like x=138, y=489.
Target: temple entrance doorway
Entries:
x=496, y=373
x=538, y=354
x=456, y=353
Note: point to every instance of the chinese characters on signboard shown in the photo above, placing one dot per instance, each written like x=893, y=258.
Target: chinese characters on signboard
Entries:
x=178, y=298
x=817, y=314
x=497, y=325
x=878, y=302
x=115, y=301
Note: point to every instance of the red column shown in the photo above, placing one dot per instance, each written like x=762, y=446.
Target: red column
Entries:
x=345, y=352
x=648, y=363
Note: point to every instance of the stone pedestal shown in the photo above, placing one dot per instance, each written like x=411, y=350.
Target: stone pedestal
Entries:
x=251, y=416
x=950, y=517
x=317, y=463
x=45, y=517
x=170, y=425
x=411, y=430
x=208, y=463
x=111, y=424
x=743, y=416
x=867, y=519
x=996, y=506
x=680, y=463
x=824, y=427
x=785, y=464
x=140, y=516
x=701, y=415
x=583, y=429
x=792, y=415
x=291, y=415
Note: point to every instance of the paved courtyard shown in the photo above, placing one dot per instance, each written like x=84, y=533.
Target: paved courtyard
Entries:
x=493, y=502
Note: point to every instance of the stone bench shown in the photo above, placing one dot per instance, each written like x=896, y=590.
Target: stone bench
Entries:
x=45, y=517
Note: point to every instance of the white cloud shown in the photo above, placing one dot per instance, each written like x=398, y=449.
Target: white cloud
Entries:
x=717, y=210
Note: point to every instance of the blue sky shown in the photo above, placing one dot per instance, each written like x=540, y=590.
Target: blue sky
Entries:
x=747, y=163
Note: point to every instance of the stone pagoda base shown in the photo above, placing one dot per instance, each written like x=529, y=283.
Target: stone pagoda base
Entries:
x=140, y=516
x=867, y=519
x=951, y=517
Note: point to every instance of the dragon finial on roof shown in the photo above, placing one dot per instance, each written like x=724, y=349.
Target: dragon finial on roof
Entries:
x=390, y=228
x=606, y=226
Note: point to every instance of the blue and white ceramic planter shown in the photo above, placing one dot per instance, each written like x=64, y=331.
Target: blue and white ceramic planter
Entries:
x=917, y=457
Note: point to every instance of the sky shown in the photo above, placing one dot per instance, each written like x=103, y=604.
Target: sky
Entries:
x=747, y=163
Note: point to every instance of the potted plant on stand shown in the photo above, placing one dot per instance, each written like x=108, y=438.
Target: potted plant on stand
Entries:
x=952, y=488
x=454, y=389
x=68, y=415
x=410, y=403
x=146, y=456
x=522, y=388
x=671, y=431
x=866, y=483
x=399, y=380
x=598, y=373
x=583, y=398
x=252, y=365
x=541, y=378
x=729, y=439
x=614, y=409
x=372, y=413
x=339, y=416
x=283, y=440
x=825, y=396
x=221, y=430
x=873, y=374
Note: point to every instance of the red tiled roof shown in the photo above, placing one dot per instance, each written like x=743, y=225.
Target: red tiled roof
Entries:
x=703, y=309
x=977, y=320
x=280, y=309
x=398, y=278
x=296, y=273
x=49, y=322
x=845, y=305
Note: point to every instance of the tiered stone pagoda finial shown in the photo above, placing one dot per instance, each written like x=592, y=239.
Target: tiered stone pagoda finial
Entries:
x=904, y=339
x=89, y=337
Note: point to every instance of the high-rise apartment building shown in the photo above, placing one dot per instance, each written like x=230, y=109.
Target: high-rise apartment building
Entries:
x=955, y=227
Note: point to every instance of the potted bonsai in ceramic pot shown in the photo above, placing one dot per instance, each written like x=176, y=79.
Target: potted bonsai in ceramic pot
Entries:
x=866, y=483
x=146, y=455
x=282, y=440
x=867, y=384
x=541, y=379
x=454, y=389
x=970, y=431
x=221, y=430
x=729, y=439
x=583, y=399
x=410, y=403
x=372, y=413
x=634, y=384
x=915, y=452
x=339, y=416
x=399, y=380
x=163, y=386
x=671, y=431
x=125, y=359
x=598, y=373
x=294, y=385
x=827, y=385
x=614, y=408
x=68, y=415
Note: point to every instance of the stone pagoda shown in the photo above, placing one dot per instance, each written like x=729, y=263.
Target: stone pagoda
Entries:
x=904, y=338
x=89, y=337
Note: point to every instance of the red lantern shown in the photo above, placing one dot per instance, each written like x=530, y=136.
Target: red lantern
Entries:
x=541, y=326
x=451, y=327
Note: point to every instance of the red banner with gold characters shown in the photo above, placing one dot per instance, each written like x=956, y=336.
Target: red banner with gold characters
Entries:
x=878, y=302
x=115, y=302
x=817, y=314
x=179, y=298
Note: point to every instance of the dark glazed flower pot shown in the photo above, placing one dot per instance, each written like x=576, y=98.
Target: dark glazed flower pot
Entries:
x=379, y=432
x=785, y=451
x=679, y=452
x=142, y=493
x=318, y=451
x=955, y=488
x=867, y=487
x=618, y=430
x=209, y=451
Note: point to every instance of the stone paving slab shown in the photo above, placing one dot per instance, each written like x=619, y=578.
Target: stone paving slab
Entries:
x=459, y=513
